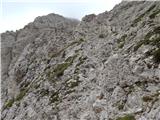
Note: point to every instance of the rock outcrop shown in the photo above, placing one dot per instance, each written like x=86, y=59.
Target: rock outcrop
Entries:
x=105, y=67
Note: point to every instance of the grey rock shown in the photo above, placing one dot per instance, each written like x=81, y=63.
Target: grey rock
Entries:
x=100, y=68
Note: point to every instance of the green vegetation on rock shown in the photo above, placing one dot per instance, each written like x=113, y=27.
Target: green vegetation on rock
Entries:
x=121, y=41
x=21, y=95
x=148, y=41
x=126, y=117
x=152, y=97
x=147, y=98
x=60, y=68
x=123, y=38
x=121, y=44
x=139, y=18
x=139, y=44
x=9, y=103
x=71, y=58
x=54, y=97
x=51, y=55
x=153, y=15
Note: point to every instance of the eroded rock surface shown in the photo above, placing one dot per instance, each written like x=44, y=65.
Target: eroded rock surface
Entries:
x=105, y=67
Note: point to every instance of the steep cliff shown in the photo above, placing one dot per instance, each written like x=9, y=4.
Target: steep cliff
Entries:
x=105, y=67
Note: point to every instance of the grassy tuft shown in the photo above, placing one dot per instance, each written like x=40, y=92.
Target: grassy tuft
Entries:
x=59, y=70
x=9, y=103
x=121, y=44
x=126, y=117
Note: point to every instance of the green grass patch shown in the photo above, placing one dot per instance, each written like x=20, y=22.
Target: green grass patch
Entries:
x=126, y=117
x=9, y=103
x=121, y=44
x=60, y=68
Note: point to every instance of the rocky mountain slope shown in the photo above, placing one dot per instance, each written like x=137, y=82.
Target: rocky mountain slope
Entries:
x=105, y=67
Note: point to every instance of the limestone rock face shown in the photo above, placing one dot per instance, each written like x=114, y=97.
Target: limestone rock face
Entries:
x=105, y=67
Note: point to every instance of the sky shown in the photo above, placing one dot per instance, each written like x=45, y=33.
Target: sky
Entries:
x=15, y=14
